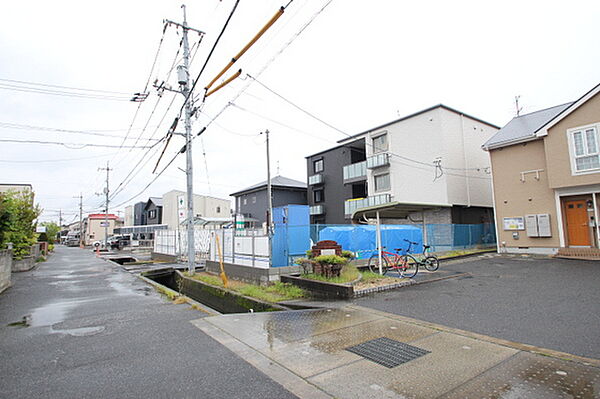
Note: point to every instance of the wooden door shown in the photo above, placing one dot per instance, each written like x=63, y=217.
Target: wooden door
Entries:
x=577, y=223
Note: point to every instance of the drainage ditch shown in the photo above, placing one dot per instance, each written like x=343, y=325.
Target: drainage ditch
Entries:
x=222, y=300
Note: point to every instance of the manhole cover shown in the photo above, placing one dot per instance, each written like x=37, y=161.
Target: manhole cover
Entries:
x=387, y=352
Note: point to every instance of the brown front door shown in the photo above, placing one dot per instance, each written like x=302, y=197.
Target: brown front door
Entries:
x=577, y=223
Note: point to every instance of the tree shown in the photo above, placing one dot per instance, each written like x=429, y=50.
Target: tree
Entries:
x=17, y=216
x=52, y=230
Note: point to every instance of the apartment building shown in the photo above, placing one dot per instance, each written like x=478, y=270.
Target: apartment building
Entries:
x=427, y=167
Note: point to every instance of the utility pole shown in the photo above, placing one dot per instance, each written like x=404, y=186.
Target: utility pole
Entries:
x=60, y=218
x=269, y=194
x=80, y=220
x=106, y=191
x=183, y=75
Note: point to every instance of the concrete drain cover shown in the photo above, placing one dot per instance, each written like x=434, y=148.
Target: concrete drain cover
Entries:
x=387, y=352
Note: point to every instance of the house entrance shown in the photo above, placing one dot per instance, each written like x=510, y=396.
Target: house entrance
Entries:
x=576, y=216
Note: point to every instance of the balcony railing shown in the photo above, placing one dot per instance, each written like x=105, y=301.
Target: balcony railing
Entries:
x=356, y=171
x=378, y=160
x=351, y=205
x=317, y=210
x=315, y=179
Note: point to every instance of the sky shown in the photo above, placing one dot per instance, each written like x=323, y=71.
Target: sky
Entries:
x=351, y=64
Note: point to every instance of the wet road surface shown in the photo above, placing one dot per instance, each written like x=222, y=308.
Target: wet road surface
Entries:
x=78, y=327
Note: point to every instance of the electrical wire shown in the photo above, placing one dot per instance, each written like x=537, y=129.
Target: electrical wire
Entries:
x=7, y=125
x=62, y=87
x=63, y=93
x=54, y=160
x=79, y=145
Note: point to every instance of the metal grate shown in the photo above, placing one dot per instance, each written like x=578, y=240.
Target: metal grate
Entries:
x=387, y=352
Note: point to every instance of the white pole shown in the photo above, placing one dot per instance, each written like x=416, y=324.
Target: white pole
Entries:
x=378, y=228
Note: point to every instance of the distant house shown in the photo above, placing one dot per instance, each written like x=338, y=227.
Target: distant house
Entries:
x=153, y=210
x=174, y=208
x=251, y=203
x=5, y=187
x=139, y=214
x=94, y=226
x=546, y=174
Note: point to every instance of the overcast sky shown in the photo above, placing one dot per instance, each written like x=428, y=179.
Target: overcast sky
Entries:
x=357, y=65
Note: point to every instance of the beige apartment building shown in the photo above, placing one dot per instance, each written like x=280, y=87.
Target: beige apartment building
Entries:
x=546, y=180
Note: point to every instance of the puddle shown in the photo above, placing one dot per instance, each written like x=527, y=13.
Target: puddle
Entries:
x=80, y=332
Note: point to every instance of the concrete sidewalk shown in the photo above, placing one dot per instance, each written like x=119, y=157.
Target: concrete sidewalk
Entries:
x=306, y=352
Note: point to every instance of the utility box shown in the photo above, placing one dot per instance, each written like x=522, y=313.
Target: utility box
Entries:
x=531, y=226
x=538, y=225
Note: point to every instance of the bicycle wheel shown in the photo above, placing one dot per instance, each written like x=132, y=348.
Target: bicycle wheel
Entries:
x=374, y=264
x=409, y=266
x=431, y=263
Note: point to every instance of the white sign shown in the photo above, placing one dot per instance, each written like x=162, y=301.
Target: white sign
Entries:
x=40, y=229
x=104, y=224
x=514, y=223
x=181, y=207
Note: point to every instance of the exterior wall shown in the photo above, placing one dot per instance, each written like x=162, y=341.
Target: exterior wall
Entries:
x=257, y=204
x=417, y=138
x=129, y=215
x=557, y=147
x=462, y=138
x=15, y=187
x=334, y=191
x=515, y=198
x=5, y=269
x=139, y=215
x=203, y=206
x=95, y=232
x=157, y=219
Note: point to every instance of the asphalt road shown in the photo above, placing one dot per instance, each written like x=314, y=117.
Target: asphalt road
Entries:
x=552, y=303
x=94, y=331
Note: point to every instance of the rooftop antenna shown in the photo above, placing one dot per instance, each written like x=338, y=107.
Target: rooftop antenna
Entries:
x=519, y=109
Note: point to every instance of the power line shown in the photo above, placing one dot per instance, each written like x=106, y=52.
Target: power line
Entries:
x=8, y=125
x=54, y=160
x=63, y=87
x=80, y=145
x=62, y=93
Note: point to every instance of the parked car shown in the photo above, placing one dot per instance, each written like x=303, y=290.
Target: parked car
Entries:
x=119, y=241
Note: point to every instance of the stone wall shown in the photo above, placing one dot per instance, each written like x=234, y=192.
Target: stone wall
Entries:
x=5, y=269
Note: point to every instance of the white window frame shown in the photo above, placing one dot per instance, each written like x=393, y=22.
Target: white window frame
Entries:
x=322, y=165
x=571, y=141
x=374, y=137
x=381, y=190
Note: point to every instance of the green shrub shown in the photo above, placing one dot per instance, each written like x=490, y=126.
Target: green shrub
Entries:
x=331, y=260
x=348, y=254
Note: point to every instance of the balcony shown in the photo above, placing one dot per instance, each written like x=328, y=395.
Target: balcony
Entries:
x=351, y=205
x=379, y=160
x=355, y=172
x=317, y=210
x=315, y=179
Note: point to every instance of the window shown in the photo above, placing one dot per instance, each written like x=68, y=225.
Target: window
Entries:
x=318, y=196
x=254, y=199
x=318, y=165
x=380, y=143
x=382, y=182
x=152, y=214
x=585, y=153
x=245, y=201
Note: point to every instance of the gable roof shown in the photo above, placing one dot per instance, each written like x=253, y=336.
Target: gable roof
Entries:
x=417, y=114
x=277, y=181
x=523, y=128
x=155, y=200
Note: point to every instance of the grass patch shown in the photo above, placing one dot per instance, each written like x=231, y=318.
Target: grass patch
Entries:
x=368, y=276
x=275, y=292
x=348, y=274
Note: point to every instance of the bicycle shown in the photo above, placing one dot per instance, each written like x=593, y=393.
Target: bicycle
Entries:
x=406, y=264
x=430, y=262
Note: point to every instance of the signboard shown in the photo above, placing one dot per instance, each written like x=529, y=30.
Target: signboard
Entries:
x=40, y=229
x=514, y=223
x=104, y=224
x=181, y=208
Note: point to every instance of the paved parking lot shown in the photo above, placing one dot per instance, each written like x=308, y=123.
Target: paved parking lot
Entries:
x=551, y=303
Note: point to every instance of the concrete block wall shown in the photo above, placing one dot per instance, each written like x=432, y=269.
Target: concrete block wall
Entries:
x=5, y=269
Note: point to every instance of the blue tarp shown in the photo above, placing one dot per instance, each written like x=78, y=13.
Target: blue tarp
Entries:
x=363, y=239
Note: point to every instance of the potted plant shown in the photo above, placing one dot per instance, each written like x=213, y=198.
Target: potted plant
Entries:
x=329, y=265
